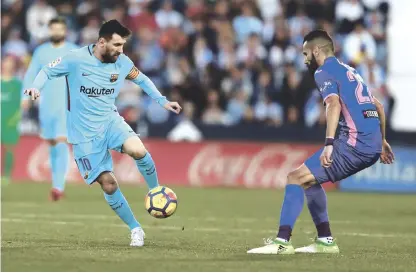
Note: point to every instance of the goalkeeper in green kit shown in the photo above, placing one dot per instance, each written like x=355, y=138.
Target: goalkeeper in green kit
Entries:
x=10, y=115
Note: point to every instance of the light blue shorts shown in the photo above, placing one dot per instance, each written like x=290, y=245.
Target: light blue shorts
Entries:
x=94, y=157
x=52, y=125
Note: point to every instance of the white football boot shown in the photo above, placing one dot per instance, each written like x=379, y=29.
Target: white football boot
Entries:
x=137, y=237
x=274, y=246
x=325, y=245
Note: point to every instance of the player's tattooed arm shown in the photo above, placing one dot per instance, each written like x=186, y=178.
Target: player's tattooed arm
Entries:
x=382, y=116
x=333, y=110
x=149, y=87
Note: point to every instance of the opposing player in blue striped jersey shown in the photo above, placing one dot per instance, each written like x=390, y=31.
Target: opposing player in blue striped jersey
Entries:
x=360, y=144
x=52, y=113
x=94, y=75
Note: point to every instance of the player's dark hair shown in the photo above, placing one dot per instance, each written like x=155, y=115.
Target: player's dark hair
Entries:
x=319, y=34
x=113, y=27
x=57, y=20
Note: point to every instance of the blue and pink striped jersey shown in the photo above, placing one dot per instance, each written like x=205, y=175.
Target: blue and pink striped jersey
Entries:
x=360, y=125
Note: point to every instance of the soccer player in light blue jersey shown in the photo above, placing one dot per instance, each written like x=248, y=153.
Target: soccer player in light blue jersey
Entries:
x=94, y=75
x=52, y=104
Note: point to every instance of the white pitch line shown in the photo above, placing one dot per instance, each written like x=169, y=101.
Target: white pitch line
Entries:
x=205, y=229
x=199, y=219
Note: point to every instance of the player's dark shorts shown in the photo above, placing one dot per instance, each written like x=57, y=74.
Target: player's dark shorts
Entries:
x=346, y=161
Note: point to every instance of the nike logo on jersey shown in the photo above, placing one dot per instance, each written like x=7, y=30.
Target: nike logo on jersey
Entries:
x=86, y=74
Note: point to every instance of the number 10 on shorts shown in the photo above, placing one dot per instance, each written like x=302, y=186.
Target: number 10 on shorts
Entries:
x=85, y=163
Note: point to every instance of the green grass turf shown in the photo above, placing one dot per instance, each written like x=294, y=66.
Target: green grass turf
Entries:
x=375, y=232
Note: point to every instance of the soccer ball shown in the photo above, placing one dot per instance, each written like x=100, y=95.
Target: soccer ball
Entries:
x=161, y=202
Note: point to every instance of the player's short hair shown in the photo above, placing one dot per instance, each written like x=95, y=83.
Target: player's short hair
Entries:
x=113, y=27
x=321, y=35
x=57, y=20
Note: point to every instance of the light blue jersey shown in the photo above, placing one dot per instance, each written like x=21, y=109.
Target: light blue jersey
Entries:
x=93, y=123
x=52, y=104
x=92, y=87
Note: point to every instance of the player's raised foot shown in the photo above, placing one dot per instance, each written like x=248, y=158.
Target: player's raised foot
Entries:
x=274, y=246
x=137, y=237
x=321, y=245
x=56, y=195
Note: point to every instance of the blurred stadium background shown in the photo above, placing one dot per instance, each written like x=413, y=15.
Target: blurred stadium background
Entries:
x=236, y=68
x=251, y=113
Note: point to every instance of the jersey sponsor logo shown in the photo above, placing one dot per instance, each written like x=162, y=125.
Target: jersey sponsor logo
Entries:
x=94, y=92
x=370, y=114
x=113, y=77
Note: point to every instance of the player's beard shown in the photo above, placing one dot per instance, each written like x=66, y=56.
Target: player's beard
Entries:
x=312, y=66
x=110, y=58
x=56, y=39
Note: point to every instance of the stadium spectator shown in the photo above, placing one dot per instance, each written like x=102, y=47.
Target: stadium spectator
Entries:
x=37, y=18
x=234, y=61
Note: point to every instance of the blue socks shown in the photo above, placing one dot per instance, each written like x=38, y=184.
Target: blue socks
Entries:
x=291, y=209
x=147, y=168
x=119, y=204
x=59, y=164
x=316, y=198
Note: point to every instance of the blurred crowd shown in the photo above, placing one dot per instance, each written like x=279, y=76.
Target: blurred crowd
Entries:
x=225, y=61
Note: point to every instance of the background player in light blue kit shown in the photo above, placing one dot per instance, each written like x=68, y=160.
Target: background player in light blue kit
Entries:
x=94, y=75
x=362, y=141
x=52, y=110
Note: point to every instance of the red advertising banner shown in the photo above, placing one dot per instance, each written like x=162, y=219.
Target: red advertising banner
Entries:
x=204, y=164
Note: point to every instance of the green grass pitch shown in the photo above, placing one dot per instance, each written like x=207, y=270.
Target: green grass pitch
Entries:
x=211, y=231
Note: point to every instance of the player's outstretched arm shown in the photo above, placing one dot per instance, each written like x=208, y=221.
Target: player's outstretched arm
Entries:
x=333, y=110
x=387, y=155
x=30, y=75
x=149, y=87
x=55, y=69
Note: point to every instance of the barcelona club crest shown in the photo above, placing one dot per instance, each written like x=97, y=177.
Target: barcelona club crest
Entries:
x=114, y=77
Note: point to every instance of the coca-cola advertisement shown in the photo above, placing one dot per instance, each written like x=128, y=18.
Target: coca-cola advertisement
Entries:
x=203, y=164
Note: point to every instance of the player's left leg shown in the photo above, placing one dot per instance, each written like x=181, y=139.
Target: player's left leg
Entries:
x=134, y=147
x=123, y=139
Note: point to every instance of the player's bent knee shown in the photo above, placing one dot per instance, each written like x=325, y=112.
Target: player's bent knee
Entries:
x=138, y=153
x=108, y=182
x=293, y=178
x=134, y=147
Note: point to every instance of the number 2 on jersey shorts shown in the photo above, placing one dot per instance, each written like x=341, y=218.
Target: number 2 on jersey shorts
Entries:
x=346, y=161
x=94, y=157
